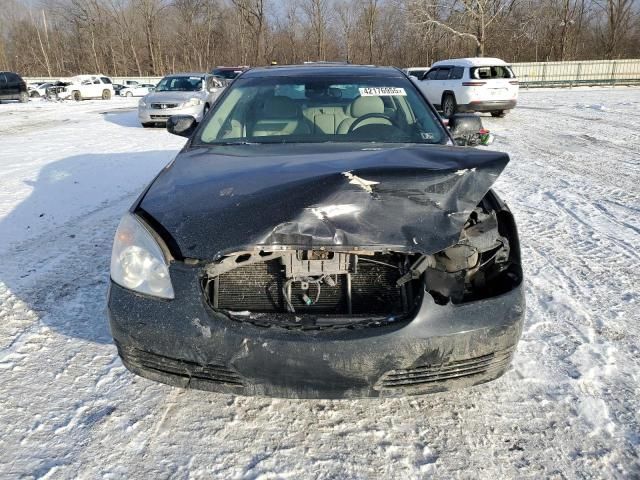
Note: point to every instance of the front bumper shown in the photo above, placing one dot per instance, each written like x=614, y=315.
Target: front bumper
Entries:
x=184, y=343
x=488, y=106
x=160, y=115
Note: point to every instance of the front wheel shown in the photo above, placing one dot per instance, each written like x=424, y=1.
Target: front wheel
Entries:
x=498, y=113
x=24, y=98
x=34, y=94
x=77, y=96
x=106, y=94
x=128, y=94
x=449, y=106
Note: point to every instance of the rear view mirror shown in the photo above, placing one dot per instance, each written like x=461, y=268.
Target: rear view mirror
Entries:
x=467, y=130
x=183, y=125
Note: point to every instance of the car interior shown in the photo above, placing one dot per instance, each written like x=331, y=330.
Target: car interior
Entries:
x=318, y=112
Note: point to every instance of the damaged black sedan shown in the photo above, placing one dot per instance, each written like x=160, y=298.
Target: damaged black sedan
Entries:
x=319, y=236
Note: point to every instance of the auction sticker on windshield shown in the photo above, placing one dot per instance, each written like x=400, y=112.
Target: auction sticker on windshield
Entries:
x=381, y=91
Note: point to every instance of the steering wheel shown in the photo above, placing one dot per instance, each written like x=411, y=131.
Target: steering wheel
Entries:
x=361, y=119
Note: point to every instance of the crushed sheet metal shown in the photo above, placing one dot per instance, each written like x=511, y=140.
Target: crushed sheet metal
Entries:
x=366, y=185
x=408, y=197
x=331, y=211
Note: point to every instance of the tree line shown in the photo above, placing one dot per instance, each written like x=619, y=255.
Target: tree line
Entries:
x=155, y=37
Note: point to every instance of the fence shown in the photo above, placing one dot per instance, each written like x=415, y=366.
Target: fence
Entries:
x=534, y=74
x=569, y=74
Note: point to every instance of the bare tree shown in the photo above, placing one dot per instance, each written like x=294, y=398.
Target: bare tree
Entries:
x=370, y=16
x=468, y=19
x=253, y=14
x=618, y=15
x=346, y=16
x=317, y=12
x=124, y=37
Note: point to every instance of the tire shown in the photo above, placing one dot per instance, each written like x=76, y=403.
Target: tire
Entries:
x=106, y=94
x=449, y=105
x=128, y=94
x=24, y=97
x=76, y=95
x=148, y=125
x=34, y=94
x=498, y=113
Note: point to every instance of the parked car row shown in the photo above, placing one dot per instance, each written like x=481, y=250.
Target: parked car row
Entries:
x=88, y=86
x=452, y=86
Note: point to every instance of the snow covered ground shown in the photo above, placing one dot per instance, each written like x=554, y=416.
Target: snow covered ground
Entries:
x=569, y=407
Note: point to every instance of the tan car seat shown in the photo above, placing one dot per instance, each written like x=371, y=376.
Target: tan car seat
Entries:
x=279, y=116
x=360, y=107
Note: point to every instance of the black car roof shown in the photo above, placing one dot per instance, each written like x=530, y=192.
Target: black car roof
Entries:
x=322, y=69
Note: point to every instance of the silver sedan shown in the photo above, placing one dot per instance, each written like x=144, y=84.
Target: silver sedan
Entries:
x=179, y=94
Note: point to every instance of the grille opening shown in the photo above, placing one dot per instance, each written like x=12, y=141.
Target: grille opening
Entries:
x=216, y=373
x=423, y=375
x=353, y=290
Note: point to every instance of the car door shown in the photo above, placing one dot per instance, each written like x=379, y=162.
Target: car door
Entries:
x=442, y=84
x=96, y=87
x=13, y=84
x=428, y=86
x=4, y=87
x=212, y=89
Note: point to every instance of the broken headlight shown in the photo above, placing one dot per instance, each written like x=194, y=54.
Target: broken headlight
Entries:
x=137, y=261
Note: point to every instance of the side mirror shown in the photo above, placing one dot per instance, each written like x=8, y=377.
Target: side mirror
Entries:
x=467, y=130
x=183, y=125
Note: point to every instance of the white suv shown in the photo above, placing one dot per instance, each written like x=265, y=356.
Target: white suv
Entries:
x=86, y=86
x=470, y=85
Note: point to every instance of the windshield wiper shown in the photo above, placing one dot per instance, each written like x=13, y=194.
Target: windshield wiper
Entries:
x=238, y=142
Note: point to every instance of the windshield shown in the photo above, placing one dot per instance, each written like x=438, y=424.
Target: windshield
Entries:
x=322, y=109
x=180, y=84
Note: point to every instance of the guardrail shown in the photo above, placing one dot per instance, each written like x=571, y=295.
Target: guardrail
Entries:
x=530, y=74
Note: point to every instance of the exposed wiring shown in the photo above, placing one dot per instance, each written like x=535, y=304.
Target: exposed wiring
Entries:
x=285, y=294
x=315, y=281
x=499, y=249
x=362, y=259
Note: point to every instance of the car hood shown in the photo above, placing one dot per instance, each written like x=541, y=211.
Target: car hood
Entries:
x=171, y=97
x=213, y=201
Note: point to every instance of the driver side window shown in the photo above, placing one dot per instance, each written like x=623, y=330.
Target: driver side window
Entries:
x=431, y=74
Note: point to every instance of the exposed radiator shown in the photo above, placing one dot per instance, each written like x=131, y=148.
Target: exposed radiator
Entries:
x=258, y=288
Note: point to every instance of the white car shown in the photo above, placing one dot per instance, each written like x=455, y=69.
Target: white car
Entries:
x=39, y=90
x=86, y=86
x=137, y=90
x=470, y=85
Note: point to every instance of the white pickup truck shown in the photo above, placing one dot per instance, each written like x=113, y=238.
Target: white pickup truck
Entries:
x=82, y=87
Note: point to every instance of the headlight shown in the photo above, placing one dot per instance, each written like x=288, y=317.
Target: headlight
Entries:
x=192, y=102
x=137, y=261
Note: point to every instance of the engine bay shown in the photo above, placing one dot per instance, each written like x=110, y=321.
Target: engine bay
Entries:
x=326, y=287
